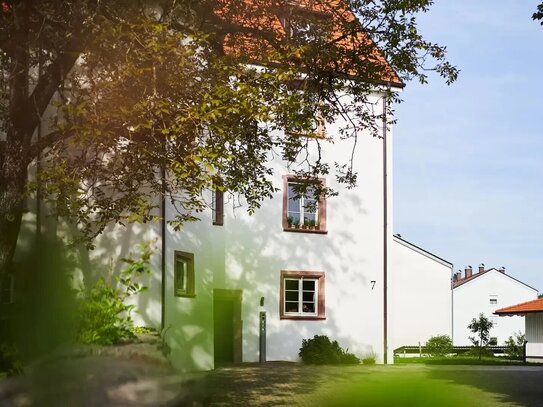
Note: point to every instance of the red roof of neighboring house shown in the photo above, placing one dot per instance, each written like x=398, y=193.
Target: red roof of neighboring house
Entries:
x=523, y=308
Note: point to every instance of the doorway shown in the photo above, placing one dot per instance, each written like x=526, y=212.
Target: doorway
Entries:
x=227, y=326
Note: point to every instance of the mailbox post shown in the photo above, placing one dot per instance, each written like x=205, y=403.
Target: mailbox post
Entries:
x=262, y=331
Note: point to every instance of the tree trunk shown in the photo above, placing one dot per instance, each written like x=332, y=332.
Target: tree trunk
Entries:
x=12, y=195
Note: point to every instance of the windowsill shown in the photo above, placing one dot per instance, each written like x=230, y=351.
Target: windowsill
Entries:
x=185, y=295
x=304, y=317
x=300, y=230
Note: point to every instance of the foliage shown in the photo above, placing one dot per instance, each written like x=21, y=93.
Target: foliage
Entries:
x=477, y=352
x=481, y=328
x=104, y=316
x=369, y=358
x=515, y=345
x=160, y=88
x=143, y=330
x=439, y=345
x=321, y=351
x=10, y=362
x=538, y=15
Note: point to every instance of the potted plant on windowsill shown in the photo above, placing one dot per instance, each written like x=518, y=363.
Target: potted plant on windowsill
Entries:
x=290, y=221
x=306, y=224
x=296, y=223
x=311, y=224
x=316, y=225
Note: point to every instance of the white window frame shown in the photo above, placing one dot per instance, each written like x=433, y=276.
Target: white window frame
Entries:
x=301, y=199
x=301, y=291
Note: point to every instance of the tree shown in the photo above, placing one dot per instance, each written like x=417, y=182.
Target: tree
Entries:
x=481, y=328
x=515, y=345
x=439, y=345
x=538, y=15
x=156, y=99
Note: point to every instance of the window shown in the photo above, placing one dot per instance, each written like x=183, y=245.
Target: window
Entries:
x=305, y=26
x=7, y=289
x=217, y=205
x=183, y=274
x=304, y=213
x=302, y=295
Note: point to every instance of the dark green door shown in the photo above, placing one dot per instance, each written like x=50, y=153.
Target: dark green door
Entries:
x=227, y=326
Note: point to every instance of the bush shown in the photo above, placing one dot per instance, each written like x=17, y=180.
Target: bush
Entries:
x=439, y=346
x=478, y=352
x=321, y=351
x=369, y=359
x=515, y=346
x=104, y=318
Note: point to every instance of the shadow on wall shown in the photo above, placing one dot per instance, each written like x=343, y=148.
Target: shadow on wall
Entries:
x=256, y=249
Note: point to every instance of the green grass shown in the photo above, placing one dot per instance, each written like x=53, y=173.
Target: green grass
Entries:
x=413, y=388
x=458, y=360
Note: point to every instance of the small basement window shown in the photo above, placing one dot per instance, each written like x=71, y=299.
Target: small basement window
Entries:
x=183, y=274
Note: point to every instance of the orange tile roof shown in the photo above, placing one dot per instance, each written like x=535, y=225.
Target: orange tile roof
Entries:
x=523, y=308
x=255, y=19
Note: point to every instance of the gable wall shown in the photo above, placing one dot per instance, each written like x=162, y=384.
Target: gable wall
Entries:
x=420, y=296
x=473, y=297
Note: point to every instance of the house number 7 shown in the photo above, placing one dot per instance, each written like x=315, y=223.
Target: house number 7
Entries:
x=372, y=282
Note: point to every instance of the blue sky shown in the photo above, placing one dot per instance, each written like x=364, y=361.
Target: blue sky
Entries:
x=468, y=158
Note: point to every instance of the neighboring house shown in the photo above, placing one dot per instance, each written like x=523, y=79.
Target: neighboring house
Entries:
x=484, y=292
x=532, y=311
x=419, y=294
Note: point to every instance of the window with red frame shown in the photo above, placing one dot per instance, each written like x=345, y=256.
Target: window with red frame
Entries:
x=302, y=213
x=302, y=295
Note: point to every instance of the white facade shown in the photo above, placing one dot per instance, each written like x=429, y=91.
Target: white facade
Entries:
x=239, y=263
x=485, y=292
x=419, y=295
x=534, y=337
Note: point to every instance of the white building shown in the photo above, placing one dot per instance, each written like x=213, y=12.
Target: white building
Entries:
x=328, y=281
x=347, y=278
x=533, y=313
x=420, y=294
x=485, y=292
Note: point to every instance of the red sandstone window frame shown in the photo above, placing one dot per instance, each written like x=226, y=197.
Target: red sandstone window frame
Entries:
x=321, y=209
x=217, y=204
x=318, y=277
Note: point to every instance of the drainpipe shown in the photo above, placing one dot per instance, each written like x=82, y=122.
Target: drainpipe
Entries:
x=163, y=249
x=385, y=234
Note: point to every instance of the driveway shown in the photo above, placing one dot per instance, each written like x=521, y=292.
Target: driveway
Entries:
x=289, y=384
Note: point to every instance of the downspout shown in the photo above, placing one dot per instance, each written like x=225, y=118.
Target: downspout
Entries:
x=385, y=234
x=163, y=250
x=38, y=159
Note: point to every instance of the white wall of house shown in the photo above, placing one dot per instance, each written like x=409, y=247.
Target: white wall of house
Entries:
x=419, y=295
x=534, y=336
x=248, y=253
x=485, y=294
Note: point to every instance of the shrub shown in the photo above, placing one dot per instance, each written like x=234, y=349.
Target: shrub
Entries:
x=10, y=361
x=439, y=345
x=104, y=318
x=478, y=352
x=369, y=359
x=321, y=351
x=515, y=346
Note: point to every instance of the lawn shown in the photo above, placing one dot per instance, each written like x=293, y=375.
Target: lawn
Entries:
x=373, y=386
x=458, y=360
x=393, y=388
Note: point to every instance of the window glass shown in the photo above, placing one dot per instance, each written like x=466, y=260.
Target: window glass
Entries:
x=184, y=274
